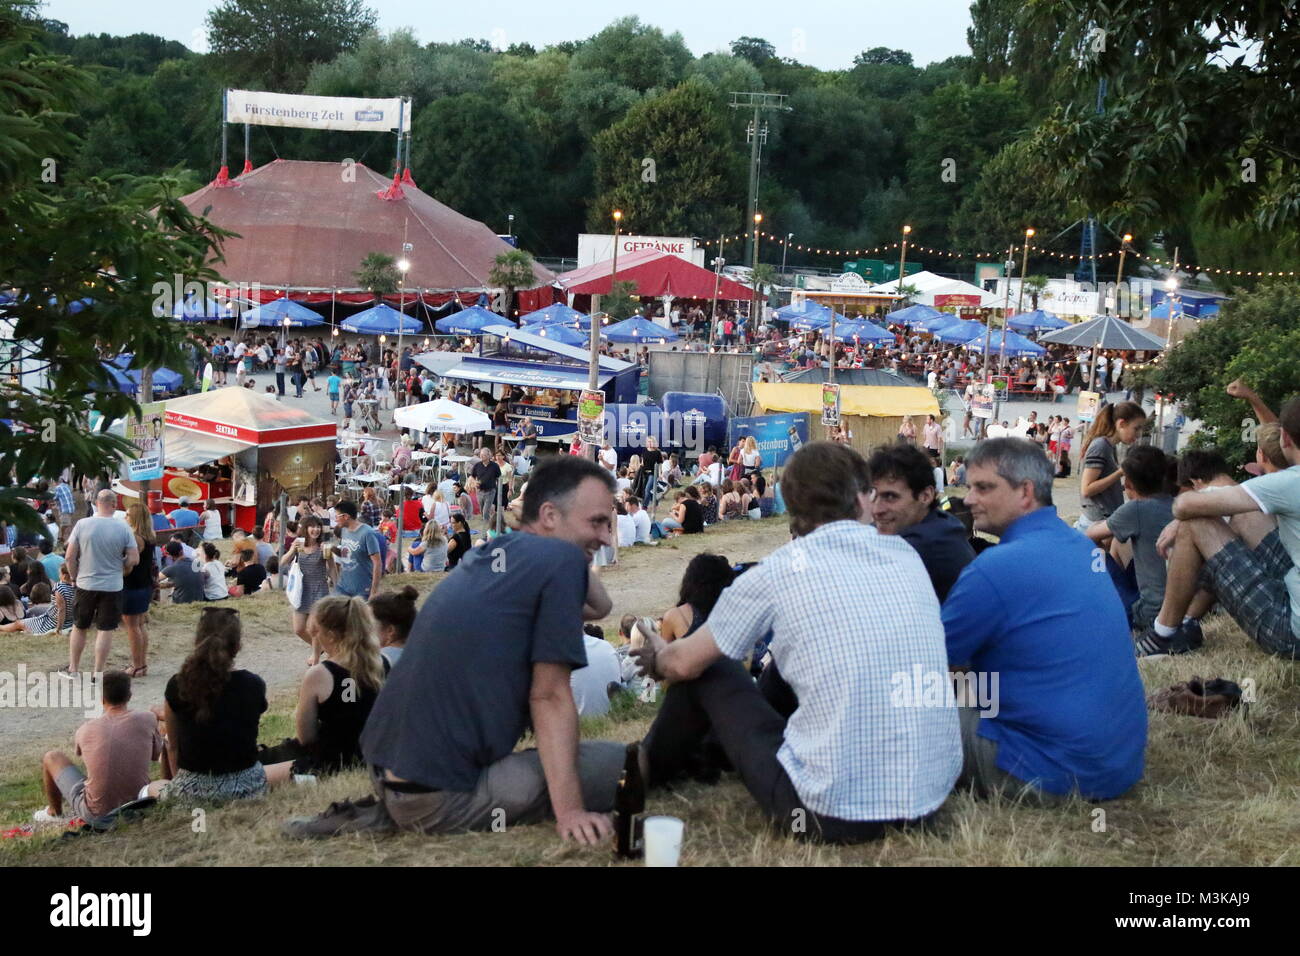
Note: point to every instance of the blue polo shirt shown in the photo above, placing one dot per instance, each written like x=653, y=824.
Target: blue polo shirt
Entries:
x=1036, y=611
x=184, y=517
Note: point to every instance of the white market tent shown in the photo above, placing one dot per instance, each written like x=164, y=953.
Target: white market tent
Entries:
x=442, y=415
x=930, y=285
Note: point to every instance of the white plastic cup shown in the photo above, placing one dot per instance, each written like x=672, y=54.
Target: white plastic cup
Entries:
x=663, y=840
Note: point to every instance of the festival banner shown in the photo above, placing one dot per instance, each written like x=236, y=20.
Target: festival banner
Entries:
x=146, y=434
x=345, y=113
x=777, y=436
x=591, y=417
x=830, y=403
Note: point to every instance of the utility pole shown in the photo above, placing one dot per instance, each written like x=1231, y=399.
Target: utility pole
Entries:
x=718, y=263
x=759, y=103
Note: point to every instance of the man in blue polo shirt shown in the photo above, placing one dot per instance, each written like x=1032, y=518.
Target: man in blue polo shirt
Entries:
x=1039, y=612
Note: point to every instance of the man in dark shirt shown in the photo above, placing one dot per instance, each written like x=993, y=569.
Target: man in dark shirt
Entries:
x=180, y=574
x=490, y=654
x=249, y=575
x=904, y=502
x=487, y=473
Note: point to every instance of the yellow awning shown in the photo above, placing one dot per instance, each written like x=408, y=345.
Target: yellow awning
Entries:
x=880, y=401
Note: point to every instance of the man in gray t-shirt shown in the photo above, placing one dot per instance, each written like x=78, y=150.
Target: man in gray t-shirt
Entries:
x=100, y=550
x=1141, y=521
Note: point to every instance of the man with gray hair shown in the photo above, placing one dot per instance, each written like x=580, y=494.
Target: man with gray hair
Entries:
x=100, y=550
x=1037, y=619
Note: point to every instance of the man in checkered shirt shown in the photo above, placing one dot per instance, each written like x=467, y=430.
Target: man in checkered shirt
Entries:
x=66, y=508
x=823, y=742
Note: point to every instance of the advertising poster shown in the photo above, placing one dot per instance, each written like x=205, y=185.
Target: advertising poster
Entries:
x=777, y=436
x=830, y=404
x=591, y=417
x=146, y=434
x=983, y=401
x=1089, y=402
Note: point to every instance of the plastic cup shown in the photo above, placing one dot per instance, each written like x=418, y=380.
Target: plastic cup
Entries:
x=663, y=840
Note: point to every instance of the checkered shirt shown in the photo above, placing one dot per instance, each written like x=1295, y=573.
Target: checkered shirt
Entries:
x=848, y=615
x=63, y=497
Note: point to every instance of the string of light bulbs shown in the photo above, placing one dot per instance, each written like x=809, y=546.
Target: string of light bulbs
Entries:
x=997, y=256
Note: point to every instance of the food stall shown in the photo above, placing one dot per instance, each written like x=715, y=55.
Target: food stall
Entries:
x=539, y=377
x=240, y=449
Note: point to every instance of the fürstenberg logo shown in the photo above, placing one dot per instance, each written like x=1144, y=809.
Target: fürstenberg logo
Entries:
x=75, y=909
x=38, y=690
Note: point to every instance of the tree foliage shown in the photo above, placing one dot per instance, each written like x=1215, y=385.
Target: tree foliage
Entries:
x=272, y=44
x=64, y=239
x=1202, y=97
x=692, y=180
x=1255, y=338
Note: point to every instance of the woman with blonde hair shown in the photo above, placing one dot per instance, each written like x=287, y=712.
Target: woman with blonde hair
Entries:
x=751, y=461
x=431, y=546
x=336, y=695
x=137, y=588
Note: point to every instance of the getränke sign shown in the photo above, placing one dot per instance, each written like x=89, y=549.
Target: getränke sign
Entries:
x=594, y=248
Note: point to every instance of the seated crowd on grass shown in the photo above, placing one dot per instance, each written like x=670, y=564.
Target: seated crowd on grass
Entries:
x=885, y=656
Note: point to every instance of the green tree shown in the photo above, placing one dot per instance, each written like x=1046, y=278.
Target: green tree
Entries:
x=1255, y=338
x=272, y=44
x=511, y=271
x=1202, y=96
x=476, y=157
x=622, y=301
x=636, y=55
x=107, y=239
x=883, y=54
x=1015, y=190
x=829, y=148
x=693, y=179
x=958, y=129
x=753, y=49
x=379, y=274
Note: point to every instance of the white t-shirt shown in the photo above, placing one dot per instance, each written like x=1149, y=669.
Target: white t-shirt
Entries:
x=591, y=683
x=610, y=457
x=641, y=520
x=626, y=531
x=622, y=484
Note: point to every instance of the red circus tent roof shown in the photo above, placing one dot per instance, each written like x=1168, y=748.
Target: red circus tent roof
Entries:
x=655, y=274
x=302, y=225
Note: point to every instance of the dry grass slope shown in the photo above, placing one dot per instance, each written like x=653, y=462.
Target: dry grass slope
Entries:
x=1215, y=793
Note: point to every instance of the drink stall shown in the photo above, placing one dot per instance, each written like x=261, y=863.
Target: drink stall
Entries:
x=240, y=450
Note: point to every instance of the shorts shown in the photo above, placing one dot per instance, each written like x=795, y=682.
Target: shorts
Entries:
x=72, y=784
x=189, y=787
x=136, y=600
x=1251, y=588
x=101, y=608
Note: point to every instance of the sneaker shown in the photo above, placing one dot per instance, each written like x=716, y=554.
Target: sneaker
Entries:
x=1182, y=641
x=1195, y=636
x=43, y=815
x=366, y=815
x=304, y=779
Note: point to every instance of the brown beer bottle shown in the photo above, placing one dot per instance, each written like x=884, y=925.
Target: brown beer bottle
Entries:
x=629, y=806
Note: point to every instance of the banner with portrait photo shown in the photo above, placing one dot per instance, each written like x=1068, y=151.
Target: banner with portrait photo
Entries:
x=146, y=434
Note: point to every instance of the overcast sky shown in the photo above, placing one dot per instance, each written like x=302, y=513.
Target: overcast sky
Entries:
x=824, y=33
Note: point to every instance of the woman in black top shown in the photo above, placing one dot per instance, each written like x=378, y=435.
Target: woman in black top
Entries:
x=459, y=544
x=693, y=520
x=211, y=712
x=336, y=695
x=704, y=581
x=137, y=589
